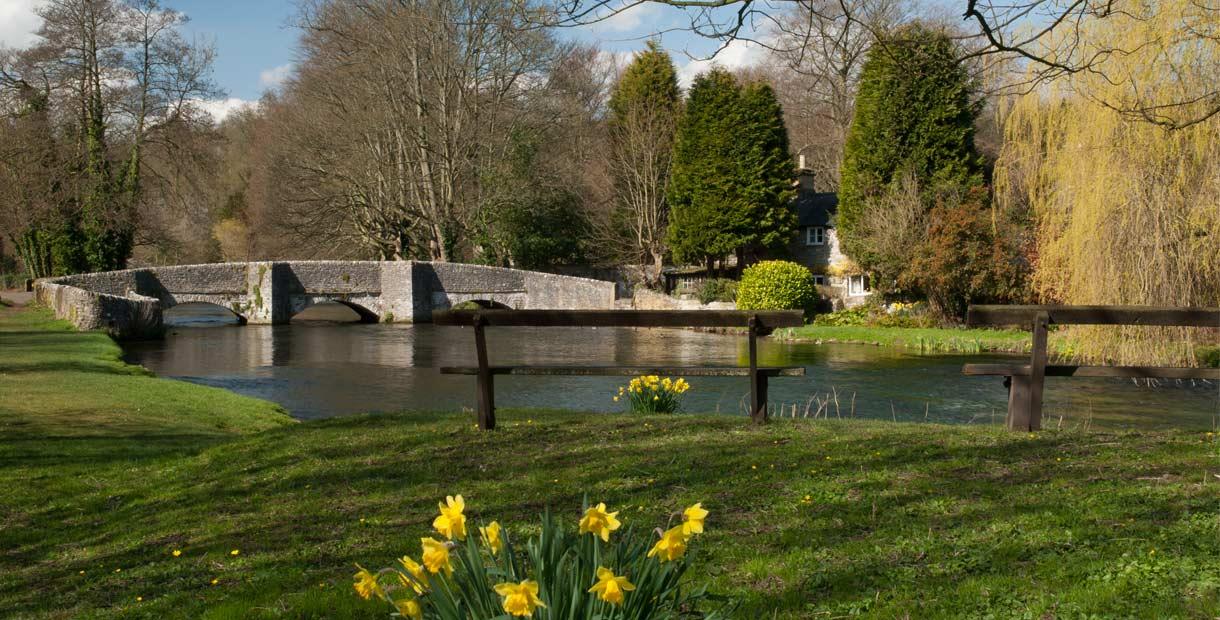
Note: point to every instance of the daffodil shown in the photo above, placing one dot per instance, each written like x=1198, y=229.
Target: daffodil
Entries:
x=491, y=534
x=609, y=587
x=692, y=519
x=409, y=608
x=366, y=583
x=416, y=577
x=520, y=599
x=671, y=546
x=436, y=556
x=451, y=523
x=599, y=522
x=177, y=552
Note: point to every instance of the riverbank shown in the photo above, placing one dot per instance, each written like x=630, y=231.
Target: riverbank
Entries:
x=102, y=481
x=930, y=339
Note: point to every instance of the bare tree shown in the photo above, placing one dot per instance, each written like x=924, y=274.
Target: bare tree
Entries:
x=640, y=157
x=394, y=107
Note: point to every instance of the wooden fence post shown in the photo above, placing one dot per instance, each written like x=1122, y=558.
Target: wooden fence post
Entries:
x=758, y=382
x=486, y=382
x=1037, y=370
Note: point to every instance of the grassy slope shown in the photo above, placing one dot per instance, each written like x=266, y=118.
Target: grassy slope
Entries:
x=901, y=520
x=929, y=339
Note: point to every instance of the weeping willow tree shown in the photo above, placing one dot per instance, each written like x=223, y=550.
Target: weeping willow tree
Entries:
x=1127, y=210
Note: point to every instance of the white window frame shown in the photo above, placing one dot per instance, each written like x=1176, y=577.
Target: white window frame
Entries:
x=862, y=289
x=815, y=239
x=819, y=279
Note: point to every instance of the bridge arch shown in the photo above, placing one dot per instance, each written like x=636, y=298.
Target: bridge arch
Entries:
x=358, y=313
x=201, y=313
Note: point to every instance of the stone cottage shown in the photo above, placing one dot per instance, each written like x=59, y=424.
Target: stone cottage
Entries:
x=817, y=245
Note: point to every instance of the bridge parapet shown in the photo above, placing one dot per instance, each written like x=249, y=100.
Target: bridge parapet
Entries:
x=129, y=304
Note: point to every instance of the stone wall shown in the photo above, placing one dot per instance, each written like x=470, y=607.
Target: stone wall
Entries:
x=131, y=317
x=129, y=303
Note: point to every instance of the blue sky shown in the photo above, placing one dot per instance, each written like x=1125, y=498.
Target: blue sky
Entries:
x=256, y=44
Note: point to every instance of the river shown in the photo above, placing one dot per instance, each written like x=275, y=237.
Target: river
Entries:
x=325, y=369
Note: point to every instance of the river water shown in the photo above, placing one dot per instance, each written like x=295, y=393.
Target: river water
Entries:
x=326, y=369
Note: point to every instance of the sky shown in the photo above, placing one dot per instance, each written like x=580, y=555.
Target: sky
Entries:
x=256, y=43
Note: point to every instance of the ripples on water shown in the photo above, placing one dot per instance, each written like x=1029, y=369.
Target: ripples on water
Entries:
x=325, y=369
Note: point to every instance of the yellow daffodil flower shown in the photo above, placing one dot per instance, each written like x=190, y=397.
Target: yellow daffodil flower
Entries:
x=416, y=577
x=409, y=608
x=451, y=523
x=692, y=519
x=671, y=546
x=520, y=599
x=491, y=534
x=609, y=587
x=177, y=552
x=599, y=522
x=436, y=556
x=366, y=583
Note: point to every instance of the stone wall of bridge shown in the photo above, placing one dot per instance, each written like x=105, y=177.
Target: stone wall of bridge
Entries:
x=130, y=303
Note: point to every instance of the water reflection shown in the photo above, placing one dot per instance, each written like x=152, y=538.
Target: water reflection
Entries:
x=323, y=369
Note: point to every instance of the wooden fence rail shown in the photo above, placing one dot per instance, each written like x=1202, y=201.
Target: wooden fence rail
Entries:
x=756, y=324
x=1025, y=382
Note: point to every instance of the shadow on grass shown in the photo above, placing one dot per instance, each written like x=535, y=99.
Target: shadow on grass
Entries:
x=931, y=506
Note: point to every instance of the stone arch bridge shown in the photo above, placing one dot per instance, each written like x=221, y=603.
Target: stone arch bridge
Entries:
x=130, y=303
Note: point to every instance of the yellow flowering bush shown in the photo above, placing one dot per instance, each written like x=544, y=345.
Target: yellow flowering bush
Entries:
x=653, y=394
x=599, y=569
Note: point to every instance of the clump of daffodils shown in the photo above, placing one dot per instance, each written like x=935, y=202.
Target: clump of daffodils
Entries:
x=597, y=569
x=653, y=394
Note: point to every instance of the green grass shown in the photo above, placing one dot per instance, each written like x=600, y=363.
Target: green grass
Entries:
x=930, y=339
x=105, y=471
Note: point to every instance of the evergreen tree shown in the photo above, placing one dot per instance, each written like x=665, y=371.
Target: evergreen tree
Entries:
x=765, y=172
x=649, y=83
x=914, y=117
x=732, y=177
x=703, y=196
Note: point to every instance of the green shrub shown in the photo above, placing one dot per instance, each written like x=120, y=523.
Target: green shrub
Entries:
x=1209, y=357
x=717, y=289
x=852, y=317
x=776, y=285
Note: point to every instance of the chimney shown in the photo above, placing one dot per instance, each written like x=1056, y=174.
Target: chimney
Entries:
x=804, y=176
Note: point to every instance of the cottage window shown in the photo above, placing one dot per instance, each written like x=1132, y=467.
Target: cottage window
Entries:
x=858, y=285
x=819, y=279
x=815, y=235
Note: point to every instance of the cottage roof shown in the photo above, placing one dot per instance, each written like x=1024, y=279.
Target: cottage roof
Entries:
x=816, y=208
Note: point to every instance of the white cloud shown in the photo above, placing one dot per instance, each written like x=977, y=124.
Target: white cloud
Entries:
x=221, y=108
x=738, y=54
x=629, y=20
x=273, y=77
x=18, y=21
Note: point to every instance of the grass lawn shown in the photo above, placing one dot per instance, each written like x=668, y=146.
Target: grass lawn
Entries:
x=931, y=339
x=104, y=471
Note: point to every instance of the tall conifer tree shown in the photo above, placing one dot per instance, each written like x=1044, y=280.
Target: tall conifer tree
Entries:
x=732, y=173
x=915, y=115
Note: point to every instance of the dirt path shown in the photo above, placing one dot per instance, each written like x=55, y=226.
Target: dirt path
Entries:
x=16, y=298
